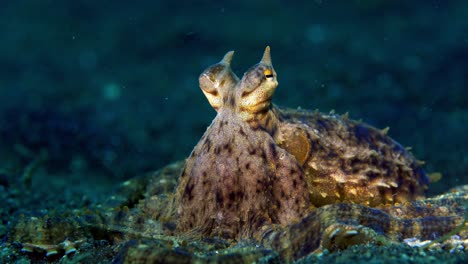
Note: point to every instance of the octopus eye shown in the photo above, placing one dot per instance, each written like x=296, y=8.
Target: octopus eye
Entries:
x=268, y=73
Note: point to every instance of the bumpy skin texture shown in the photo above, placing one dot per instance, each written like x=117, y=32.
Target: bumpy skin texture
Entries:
x=258, y=165
x=349, y=161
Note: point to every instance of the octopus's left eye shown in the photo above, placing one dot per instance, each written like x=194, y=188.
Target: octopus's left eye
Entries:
x=268, y=73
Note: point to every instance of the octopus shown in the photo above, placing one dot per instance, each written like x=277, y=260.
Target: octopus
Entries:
x=263, y=183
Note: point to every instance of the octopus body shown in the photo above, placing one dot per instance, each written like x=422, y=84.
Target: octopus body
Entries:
x=258, y=165
x=263, y=184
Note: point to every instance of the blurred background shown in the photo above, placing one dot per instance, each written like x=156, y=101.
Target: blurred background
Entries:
x=95, y=92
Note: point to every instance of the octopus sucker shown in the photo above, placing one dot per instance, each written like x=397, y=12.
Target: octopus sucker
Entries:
x=263, y=183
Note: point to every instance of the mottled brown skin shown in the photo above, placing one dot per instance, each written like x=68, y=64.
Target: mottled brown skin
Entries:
x=349, y=161
x=327, y=226
x=258, y=165
x=235, y=181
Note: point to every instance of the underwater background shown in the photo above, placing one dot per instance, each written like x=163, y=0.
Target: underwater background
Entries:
x=93, y=93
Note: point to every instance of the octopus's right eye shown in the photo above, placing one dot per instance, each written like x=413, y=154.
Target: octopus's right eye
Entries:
x=207, y=82
x=216, y=81
x=210, y=77
x=214, y=71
